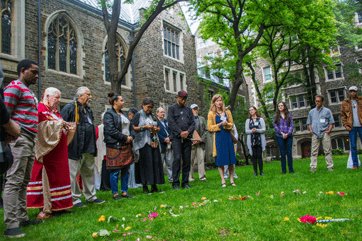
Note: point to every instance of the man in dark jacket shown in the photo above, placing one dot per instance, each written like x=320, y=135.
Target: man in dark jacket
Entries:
x=84, y=142
x=182, y=125
x=164, y=136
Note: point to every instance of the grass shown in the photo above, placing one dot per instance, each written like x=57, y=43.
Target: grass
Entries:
x=257, y=218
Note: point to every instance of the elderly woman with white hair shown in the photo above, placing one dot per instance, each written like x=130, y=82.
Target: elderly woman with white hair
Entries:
x=49, y=188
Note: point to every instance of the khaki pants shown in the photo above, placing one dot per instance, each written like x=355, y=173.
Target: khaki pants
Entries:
x=167, y=159
x=86, y=170
x=18, y=177
x=326, y=141
x=197, y=156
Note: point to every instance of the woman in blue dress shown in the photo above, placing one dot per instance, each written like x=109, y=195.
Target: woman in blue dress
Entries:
x=221, y=123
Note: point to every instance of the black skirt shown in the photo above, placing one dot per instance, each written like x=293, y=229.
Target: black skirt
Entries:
x=149, y=168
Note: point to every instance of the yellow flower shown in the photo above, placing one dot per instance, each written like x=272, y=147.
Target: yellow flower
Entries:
x=299, y=220
x=286, y=219
x=328, y=218
x=128, y=228
x=94, y=235
x=203, y=198
x=162, y=206
x=319, y=218
x=321, y=225
x=102, y=219
x=330, y=192
x=164, y=213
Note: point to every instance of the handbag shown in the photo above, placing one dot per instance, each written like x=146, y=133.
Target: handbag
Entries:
x=234, y=139
x=120, y=158
x=154, y=141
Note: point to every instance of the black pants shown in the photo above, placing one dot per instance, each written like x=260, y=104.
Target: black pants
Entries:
x=181, y=151
x=105, y=180
x=257, y=157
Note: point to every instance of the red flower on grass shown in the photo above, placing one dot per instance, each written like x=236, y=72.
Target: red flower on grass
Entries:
x=308, y=219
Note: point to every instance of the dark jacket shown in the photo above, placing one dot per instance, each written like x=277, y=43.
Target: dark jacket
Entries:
x=203, y=132
x=162, y=135
x=180, y=119
x=76, y=147
x=113, y=136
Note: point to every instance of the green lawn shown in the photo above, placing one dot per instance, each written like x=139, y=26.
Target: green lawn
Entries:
x=256, y=218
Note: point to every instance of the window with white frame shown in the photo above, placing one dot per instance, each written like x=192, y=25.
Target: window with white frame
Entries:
x=301, y=124
x=267, y=74
x=359, y=15
x=337, y=120
x=336, y=96
x=174, y=80
x=333, y=74
x=6, y=22
x=300, y=101
x=171, y=41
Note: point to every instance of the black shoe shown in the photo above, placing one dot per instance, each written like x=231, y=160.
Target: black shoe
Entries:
x=255, y=174
x=175, y=187
x=292, y=172
x=117, y=197
x=79, y=205
x=98, y=201
x=13, y=233
x=29, y=222
x=145, y=190
x=154, y=188
x=187, y=186
x=284, y=172
x=127, y=196
x=261, y=173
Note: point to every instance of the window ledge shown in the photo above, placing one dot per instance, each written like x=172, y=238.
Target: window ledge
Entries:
x=302, y=108
x=329, y=80
x=339, y=103
x=177, y=60
x=9, y=57
x=63, y=73
x=171, y=92
x=122, y=86
x=292, y=86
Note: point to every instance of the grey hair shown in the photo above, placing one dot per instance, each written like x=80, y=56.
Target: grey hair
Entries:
x=51, y=92
x=80, y=91
x=158, y=109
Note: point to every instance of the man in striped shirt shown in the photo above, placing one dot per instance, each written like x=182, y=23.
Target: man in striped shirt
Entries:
x=22, y=106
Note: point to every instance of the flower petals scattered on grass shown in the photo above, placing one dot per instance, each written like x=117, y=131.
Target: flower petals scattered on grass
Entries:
x=328, y=218
x=181, y=207
x=322, y=225
x=128, y=228
x=341, y=193
x=173, y=215
x=94, y=235
x=203, y=198
x=258, y=193
x=330, y=192
x=286, y=219
x=297, y=191
x=149, y=237
x=304, y=192
x=102, y=218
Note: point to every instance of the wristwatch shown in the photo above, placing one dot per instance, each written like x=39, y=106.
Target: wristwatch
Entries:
x=141, y=128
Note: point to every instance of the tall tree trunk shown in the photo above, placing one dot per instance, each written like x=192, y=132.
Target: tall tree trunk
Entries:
x=246, y=154
x=313, y=84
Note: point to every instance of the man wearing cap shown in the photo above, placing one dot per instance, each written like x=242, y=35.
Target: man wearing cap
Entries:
x=351, y=113
x=181, y=125
x=198, y=147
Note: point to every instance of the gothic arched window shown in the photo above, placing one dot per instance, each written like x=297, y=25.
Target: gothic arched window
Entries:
x=120, y=53
x=62, y=45
x=6, y=8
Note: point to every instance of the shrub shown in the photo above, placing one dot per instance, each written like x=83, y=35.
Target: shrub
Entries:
x=337, y=151
x=359, y=151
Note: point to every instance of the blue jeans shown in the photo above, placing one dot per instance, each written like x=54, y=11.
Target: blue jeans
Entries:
x=285, y=148
x=353, y=141
x=124, y=180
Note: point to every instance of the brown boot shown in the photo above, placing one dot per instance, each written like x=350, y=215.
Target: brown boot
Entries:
x=355, y=167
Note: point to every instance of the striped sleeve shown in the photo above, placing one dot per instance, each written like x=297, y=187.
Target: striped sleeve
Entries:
x=12, y=95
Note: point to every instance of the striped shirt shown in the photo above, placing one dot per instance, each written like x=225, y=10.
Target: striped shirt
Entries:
x=22, y=105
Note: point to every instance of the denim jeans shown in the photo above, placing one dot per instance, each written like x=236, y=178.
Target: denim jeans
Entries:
x=353, y=141
x=285, y=148
x=124, y=180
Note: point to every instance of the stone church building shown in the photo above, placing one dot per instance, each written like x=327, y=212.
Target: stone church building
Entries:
x=73, y=51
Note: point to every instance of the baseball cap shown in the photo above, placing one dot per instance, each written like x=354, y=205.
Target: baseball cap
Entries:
x=194, y=106
x=354, y=88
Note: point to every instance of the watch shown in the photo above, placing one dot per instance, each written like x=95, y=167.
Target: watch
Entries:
x=141, y=128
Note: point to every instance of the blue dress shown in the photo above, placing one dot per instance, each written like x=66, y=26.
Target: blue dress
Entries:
x=224, y=146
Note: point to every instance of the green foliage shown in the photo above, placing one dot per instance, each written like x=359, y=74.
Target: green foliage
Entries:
x=359, y=151
x=256, y=218
x=338, y=151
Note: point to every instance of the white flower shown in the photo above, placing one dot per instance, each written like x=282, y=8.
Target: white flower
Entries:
x=123, y=219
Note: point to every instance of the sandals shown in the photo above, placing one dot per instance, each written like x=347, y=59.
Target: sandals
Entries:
x=223, y=184
x=232, y=184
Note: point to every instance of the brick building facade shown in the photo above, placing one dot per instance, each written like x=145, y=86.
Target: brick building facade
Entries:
x=73, y=51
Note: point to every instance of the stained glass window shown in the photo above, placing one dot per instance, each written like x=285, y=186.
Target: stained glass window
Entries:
x=171, y=42
x=6, y=8
x=62, y=45
x=120, y=61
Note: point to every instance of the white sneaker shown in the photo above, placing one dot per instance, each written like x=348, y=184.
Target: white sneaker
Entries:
x=236, y=176
x=203, y=179
x=191, y=179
